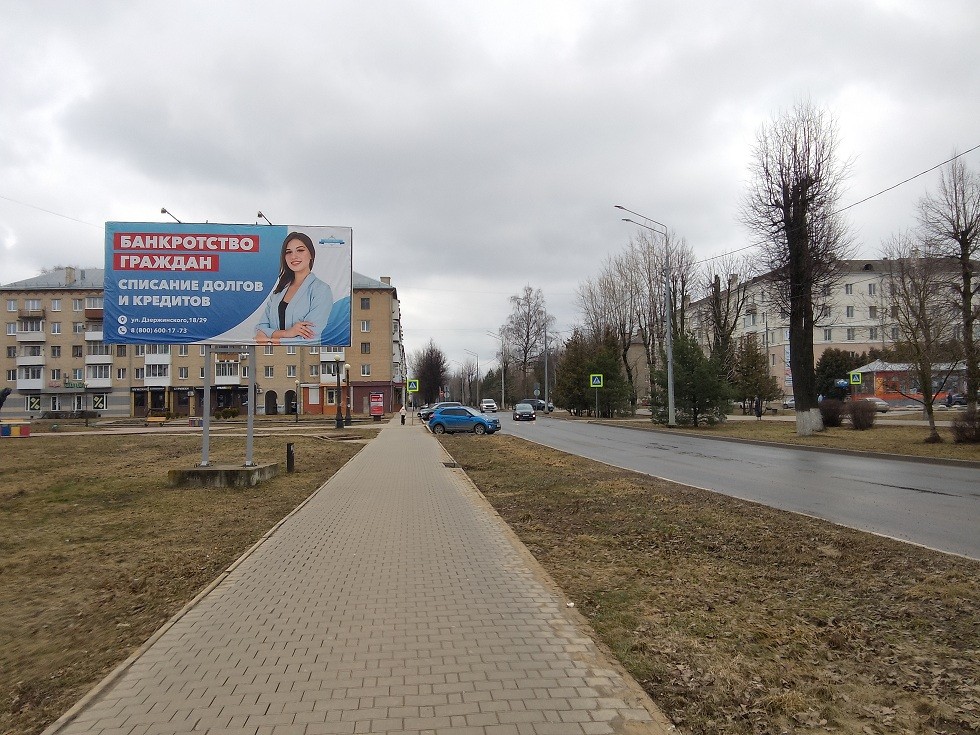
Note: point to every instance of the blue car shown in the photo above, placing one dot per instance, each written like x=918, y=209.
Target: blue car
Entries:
x=449, y=419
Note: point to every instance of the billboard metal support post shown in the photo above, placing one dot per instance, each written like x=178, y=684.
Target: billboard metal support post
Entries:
x=206, y=411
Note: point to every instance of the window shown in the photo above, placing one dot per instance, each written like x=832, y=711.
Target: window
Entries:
x=332, y=397
x=77, y=374
x=314, y=350
x=11, y=352
x=269, y=350
x=120, y=350
x=365, y=302
x=98, y=372
x=850, y=312
x=33, y=304
x=848, y=288
x=226, y=369
x=291, y=349
x=11, y=304
x=156, y=371
x=55, y=304
x=98, y=348
x=270, y=371
x=30, y=373
x=77, y=305
x=78, y=327
x=328, y=368
x=828, y=335
x=55, y=327
x=290, y=371
x=365, y=371
x=895, y=334
x=786, y=334
x=32, y=351
x=56, y=351
x=93, y=302
x=871, y=289
x=76, y=351
x=138, y=373
x=203, y=349
x=825, y=311
x=873, y=333
x=894, y=312
x=56, y=374
x=183, y=373
x=314, y=371
x=55, y=403
x=11, y=375
x=202, y=373
x=872, y=312
x=140, y=350
x=31, y=325
x=182, y=351
x=244, y=371
x=365, y=348
x=850, y=334
x=120, y=373
x=825, y=291
x=365, y=325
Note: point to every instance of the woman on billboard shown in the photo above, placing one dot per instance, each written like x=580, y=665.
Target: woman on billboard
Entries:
x=300, y=304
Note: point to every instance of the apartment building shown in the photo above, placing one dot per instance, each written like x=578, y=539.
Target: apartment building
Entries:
x=54, y=359
x=854, y=315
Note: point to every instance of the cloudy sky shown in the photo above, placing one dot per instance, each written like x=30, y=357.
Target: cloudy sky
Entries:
x=474, y=147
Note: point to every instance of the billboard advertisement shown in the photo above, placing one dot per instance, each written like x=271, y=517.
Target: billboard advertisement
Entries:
x=227, y=284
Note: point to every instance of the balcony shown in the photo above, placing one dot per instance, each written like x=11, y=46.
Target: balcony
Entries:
x=30, y=360
x=94, y=314
x=151, y=382
x=93, y=336
x=30, y=313
x=98, y=359
x=160, y=358
x=28, y=384
x=32, y=337
x=98, y=383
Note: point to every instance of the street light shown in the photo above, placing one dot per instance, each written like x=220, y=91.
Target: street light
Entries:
x=347, y=381
x=296, y=407
x=503, y=393
x=262, y=216
x=668, y=303
x=163, y=210
x=340, y=416
x=477, y=374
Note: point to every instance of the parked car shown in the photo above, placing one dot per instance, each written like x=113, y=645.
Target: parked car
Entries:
x=536, y=403
x=488, y=405
x=524, y=412
x=425, y=413
x=956, y=399
x=790, y=403
x=450, y=419
x=881, y=405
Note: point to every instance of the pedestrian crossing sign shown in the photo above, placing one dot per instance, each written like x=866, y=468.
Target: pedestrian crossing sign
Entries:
x=413, y=386
x=595, y=380
x=855, y=378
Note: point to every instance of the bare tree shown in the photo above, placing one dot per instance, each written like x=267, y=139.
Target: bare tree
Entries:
x=790, y=204
x=724, y=289
x=525, y=329
x=951, y=218
x=430, y=367
x=918, y=281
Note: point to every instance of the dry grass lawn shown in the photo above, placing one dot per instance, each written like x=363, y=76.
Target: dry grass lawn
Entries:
x=738, y=618
x=97, y=552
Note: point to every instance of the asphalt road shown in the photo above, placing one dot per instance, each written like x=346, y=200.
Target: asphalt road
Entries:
x=933, y=505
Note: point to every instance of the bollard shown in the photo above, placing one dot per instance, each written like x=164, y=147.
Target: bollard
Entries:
x=403, y=419
x=290, y=458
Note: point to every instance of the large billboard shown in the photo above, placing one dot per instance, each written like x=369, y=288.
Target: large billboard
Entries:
x=227, y=284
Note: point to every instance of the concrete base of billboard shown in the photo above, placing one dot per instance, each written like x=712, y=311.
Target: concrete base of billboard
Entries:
x=223, y=475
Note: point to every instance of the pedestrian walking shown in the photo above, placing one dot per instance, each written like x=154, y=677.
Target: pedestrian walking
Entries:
x=758, y=407
x=402, y=413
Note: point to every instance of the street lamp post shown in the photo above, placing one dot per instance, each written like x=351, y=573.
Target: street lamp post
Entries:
x=340, y=416
x=503, y=392
x=668, y=304
x=296, y=407
x=347, y=381
x=477, y=374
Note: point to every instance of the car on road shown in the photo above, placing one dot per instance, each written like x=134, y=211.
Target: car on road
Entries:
x=451, y=419
x=536, y=403
x=524, y=412
x=488, y=405
x=425, y=413
x=881, y=405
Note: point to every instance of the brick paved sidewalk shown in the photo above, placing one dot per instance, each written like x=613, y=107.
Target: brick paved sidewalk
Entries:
x=394, y=601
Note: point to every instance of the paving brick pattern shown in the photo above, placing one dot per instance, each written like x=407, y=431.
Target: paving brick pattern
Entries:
x=394, y=601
